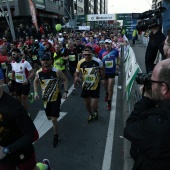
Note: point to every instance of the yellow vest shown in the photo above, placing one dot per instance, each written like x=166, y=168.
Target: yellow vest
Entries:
x=59, y=63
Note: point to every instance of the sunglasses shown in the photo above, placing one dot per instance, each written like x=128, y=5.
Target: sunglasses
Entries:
x=45, y=59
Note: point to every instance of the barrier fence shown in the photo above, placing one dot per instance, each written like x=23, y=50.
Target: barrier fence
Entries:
x=130, y=70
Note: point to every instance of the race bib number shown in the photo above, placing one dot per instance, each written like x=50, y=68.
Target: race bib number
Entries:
x=34, y=57
x=89, y=78
x=10, y=75
x=3, y=65
x=19, y=77
x=108, y=64
x=72, y=57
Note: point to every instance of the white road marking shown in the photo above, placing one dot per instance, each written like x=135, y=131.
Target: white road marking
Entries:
x=42, y=123
x=110, y=134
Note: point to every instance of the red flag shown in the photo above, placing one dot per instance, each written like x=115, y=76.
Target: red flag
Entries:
x=33, y=14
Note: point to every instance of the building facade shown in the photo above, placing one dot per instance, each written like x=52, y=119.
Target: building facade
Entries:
x=156, y=3
x=51, y=12
x=96, y=6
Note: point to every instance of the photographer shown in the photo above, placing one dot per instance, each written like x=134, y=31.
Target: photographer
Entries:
x=156, y=38
x=148, y=126
x=151, y=20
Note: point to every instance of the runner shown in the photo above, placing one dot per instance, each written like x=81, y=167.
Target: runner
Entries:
x=22, y=73
x=110, y=59
x=33, y=49
x=90, y=67
x=10, y=82
x=48, y=77
x=72, y=57
x=59, y=60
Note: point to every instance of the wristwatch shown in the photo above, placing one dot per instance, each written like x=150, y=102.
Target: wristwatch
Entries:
x=6, y=150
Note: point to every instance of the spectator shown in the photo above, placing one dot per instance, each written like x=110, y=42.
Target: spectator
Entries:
x=17, y=135
x=156, y=38
x=148, y=126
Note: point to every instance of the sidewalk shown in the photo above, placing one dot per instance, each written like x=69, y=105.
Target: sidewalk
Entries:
x=139, y=51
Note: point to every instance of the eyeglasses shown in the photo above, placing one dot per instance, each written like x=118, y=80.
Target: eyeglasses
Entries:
x=159, y=82
x=45, y=59
x=87, y=54
x=14, y=54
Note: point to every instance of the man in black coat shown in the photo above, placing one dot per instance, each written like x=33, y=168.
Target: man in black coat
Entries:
x=148, y=126
x=156, y=39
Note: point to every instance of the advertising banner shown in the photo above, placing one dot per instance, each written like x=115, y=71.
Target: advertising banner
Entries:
x=100, y=17
x=33, y=14
x=131, y=69
x=128, y=23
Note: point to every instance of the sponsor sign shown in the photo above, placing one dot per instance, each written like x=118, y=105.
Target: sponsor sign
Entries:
x=33, y=14
x=128, y=23
x=83, y=27
x=131, y=70
x=100, y=17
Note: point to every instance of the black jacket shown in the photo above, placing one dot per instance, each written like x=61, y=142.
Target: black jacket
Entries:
x=148, y=128
x=155, y=42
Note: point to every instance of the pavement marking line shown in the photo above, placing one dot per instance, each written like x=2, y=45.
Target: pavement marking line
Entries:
x=110, y=134
x=42, y=123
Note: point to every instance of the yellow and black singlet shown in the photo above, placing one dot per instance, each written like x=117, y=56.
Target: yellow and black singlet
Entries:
x=49, y=84
x=90, y=72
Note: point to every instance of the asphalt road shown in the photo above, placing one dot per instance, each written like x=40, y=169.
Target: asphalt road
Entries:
x=83, y=146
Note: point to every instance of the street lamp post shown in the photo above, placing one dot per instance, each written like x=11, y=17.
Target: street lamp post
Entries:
x=10, y=21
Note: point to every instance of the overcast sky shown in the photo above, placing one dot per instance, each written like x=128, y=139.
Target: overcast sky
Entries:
x=128, y=6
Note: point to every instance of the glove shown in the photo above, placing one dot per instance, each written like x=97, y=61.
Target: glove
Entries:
x=36, y=96
x=2, y=154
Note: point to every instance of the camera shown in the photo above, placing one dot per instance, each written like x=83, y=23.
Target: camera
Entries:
x=143, y=79
x=149, y=19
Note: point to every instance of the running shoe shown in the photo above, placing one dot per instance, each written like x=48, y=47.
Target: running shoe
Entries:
x=55, y=140
x=108, y=107
x=31, y=97
x=47, y=162
x=90, y=119
x=95, y=116
x=106, y=98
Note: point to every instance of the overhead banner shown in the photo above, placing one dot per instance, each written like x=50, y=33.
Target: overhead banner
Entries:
x=33, y=14
x=100, y=17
